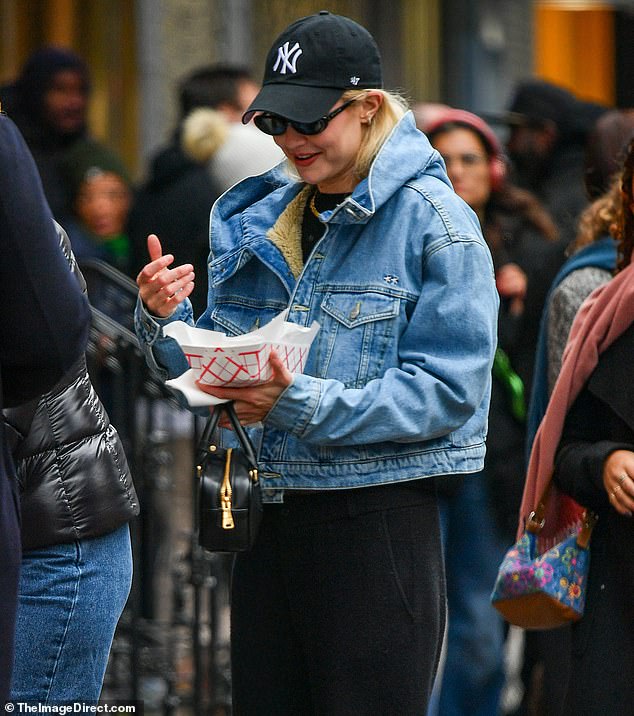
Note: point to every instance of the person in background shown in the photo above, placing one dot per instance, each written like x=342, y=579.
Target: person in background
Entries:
x=361, y=232
x=605, y=150
x=522, y=238
x=44, y=330
x=101, y=196
x=593, y=253
x=175, y=199
x=549, y=127
x=586, y=441
x=213, y=134
x=591, y=263
x=49, y=104
x=76, y=499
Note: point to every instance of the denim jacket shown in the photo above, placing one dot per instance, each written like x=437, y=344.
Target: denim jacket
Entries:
x=397, y=382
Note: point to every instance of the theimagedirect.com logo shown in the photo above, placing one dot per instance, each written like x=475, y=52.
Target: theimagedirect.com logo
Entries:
x=78, y=707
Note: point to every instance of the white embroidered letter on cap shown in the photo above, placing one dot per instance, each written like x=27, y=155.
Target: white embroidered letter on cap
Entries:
x=288, y=58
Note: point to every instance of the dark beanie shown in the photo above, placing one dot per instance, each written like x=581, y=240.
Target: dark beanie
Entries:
x=40, y=69
x=86, y=158
x=538, y=101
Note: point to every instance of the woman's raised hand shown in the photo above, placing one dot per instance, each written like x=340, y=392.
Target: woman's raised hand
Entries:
x=161, y=288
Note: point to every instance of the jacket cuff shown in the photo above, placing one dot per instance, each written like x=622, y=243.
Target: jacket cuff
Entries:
x=149, y=327
x=296, y=406
x=158, y=350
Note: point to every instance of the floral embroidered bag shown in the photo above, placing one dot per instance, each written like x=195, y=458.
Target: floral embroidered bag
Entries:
x=547, y=590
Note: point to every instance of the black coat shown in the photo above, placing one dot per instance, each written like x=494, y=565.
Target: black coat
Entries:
x=48, y=148
x=600, y=421
x=558, y=183
x=43, y=331
x=72, y=471
x=522, y=244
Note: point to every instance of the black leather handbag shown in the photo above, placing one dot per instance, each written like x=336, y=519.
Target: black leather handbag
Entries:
x=229, y=498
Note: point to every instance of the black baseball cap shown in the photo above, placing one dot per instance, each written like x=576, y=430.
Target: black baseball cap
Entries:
x=538, y=101
x=312, y=63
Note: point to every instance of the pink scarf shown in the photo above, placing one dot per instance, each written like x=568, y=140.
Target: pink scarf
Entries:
x=603, y=317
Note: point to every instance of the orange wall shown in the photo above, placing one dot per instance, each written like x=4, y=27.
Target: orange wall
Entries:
x=574, y=47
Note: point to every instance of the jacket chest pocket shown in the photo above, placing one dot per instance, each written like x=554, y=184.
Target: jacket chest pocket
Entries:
x=357, y=334
x=235, y=319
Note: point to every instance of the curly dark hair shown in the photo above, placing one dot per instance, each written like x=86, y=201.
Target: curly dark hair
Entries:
x=623, y=228
x=599, y=218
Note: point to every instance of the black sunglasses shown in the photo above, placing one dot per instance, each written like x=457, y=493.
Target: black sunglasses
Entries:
x=275, y=125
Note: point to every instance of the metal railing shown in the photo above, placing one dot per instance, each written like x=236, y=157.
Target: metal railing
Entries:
x=177, y=658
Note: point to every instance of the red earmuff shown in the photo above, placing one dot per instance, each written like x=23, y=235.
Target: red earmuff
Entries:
x=497, y=169
x=460, y=117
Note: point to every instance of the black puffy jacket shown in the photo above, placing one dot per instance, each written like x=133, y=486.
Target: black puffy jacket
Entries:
x=74, y=478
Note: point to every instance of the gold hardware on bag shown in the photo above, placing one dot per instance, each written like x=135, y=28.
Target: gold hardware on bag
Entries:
x=253, y=474
x=226, y=494
x=589, y=521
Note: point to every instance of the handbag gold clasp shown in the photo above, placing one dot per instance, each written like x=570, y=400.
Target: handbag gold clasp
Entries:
x=226, y=494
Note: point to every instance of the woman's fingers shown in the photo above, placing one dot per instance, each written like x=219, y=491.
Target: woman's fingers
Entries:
x=157, y=261
x=155, y=250
x=161, y=289
x=170, y=282
x=622, y=494
x=618, y=481
x=281, y=374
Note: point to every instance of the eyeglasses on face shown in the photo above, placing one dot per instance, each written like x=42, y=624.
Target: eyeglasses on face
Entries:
x=466, y=160
x=275, y=125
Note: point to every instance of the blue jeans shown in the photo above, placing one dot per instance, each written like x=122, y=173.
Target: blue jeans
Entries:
x=71, y=598
x=9, y=574
x=473, y=674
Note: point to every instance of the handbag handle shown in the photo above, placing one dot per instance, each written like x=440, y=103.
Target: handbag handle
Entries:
x=536, y=519
x=212, y=424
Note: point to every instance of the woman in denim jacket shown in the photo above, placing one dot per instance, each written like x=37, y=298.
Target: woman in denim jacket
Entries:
x=340, y=606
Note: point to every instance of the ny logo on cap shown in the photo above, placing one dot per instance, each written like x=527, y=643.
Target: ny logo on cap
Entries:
x=287, y=58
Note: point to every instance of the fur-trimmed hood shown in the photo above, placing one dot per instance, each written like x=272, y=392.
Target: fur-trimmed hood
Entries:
x=204, y=131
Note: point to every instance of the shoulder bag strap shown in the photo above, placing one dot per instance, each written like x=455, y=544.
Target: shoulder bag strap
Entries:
x=536, y=519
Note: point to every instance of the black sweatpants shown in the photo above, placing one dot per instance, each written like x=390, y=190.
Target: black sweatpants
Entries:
x=340, y=607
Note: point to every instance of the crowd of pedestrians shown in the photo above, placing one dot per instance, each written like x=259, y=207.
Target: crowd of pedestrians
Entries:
x=445, y=256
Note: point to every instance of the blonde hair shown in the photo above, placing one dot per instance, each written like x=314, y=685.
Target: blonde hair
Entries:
x=387, y=116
